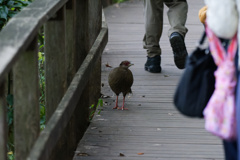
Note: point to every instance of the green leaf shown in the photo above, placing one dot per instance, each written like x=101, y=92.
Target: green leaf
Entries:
x=9, y=115
x=92, y=106
x=3, y=12
x=11, y=14
x=1, y=22
x=1, y=1
x=42, y=121
x=100, y=101
x=18, y=6
x=10, y=99
x=5, y=9
x=10, y=4
x=25, y=3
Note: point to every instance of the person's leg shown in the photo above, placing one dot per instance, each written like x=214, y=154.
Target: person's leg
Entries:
x=153, y=13
x=177, y=16
x=230, y=150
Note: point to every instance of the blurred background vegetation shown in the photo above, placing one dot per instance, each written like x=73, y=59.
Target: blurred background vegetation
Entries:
x=106, y=3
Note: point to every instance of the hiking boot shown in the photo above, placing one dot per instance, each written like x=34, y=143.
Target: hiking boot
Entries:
x=179, y=49
x=153, y=64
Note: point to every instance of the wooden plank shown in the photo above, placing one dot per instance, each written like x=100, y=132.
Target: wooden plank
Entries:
x=95, y=25
x=26, y=106
x=49, y=136
x=3, y=123
x=71, y=130
x=55, y=62
x=152, y=125
x=70, y=40
x=81, y=35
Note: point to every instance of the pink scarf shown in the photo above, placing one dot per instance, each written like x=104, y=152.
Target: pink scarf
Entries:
x=220, y=112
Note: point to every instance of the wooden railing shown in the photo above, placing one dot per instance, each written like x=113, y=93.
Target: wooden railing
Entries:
x=75, y=35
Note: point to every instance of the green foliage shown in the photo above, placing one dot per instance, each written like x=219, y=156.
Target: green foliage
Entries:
x=41, y=60
x=9, y=8
x=93, y=108
x=10, y=144
x=10, y=155
x=119, y=1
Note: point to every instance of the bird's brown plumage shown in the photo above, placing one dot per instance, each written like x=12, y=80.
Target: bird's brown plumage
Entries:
x=120, y=80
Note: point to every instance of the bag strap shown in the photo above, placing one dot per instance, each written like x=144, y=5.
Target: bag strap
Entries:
x=202, y=38
x=217, y=50
x=201, y=41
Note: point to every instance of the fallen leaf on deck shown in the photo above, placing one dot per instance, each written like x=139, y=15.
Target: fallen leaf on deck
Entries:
x=121, y=155
x=166, y=75
x=82, y=154
x=104, y=96
x=140, y=153
x=107, y=65
x=139, y=104
x=143, y=96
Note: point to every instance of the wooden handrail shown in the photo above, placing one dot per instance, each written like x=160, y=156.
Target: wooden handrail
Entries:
x=28, y=22
x=81, y=32
x=49, y=136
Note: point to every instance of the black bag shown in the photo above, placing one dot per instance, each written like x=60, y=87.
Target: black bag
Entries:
x=197, y=82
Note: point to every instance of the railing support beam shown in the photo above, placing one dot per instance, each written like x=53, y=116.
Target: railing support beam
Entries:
x=26, y=106
x=3, y=123
x=55, y=61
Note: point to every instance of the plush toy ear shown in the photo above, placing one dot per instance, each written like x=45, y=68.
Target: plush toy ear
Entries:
x=202, y=14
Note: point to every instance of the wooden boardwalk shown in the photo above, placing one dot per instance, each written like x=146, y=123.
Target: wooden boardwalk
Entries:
x=152, y=129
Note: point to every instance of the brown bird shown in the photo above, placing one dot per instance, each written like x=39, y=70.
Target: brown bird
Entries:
x=120, y=80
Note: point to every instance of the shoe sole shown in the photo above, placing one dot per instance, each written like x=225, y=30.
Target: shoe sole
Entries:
x=153, y=71
x=179, y=59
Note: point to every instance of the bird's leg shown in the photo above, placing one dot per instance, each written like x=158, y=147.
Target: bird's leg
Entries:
x=123, y=108
x=116, y=106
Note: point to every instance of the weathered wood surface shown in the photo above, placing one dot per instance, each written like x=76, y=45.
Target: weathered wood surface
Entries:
x=26, y=28
x=75, y=37
x=3, y=123
x=26, y=113
x=152, y=125
x=55, y=61
x=58, y=121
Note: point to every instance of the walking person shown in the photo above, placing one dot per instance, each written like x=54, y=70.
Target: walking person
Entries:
x=177, y=16
x=223, y=20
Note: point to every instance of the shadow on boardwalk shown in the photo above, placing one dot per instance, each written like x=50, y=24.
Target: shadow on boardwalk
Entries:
x=151, y=126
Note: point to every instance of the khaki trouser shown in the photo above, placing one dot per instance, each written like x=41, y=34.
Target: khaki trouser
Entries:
x=153, y=14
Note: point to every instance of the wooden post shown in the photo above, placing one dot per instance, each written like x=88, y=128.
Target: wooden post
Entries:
x=3, y=124
x=95, y=24
x=68, y=142
x=106, y=3
x=82, y=48
x=70, y=40
x=26, y=101
x=55, y=62
x=72, y=68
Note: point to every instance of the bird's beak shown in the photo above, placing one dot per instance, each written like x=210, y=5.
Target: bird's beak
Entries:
x=131, y=64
